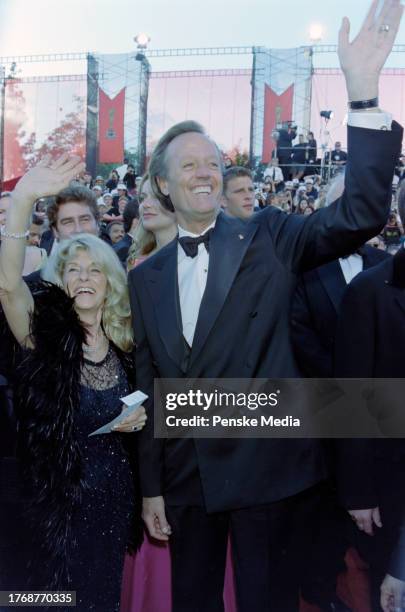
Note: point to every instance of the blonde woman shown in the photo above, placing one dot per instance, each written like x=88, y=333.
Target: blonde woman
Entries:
x=157, y=226
x=76, y=365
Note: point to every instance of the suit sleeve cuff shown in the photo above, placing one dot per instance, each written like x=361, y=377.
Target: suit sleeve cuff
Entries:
x=370, y=121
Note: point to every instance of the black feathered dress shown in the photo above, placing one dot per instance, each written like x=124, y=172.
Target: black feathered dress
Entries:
x=82, y=503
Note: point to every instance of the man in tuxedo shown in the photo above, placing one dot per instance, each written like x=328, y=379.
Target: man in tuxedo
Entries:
x=215, y=303
x=370, y=344
x=316, y=305
x=314, y=315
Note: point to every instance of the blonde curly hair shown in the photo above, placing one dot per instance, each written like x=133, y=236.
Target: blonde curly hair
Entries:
x=116, y=315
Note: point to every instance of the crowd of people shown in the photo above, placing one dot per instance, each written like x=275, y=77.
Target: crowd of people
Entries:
x=204, y=270
x=116, y=207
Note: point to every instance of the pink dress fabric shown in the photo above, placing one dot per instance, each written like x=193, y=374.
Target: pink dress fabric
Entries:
x=146, y=580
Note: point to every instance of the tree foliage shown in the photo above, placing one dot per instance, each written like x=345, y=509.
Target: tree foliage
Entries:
x=23, y=151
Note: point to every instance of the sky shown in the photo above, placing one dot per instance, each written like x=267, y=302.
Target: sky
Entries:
x=53, y=26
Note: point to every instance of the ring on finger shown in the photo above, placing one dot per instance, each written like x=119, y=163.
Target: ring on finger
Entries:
x=384, y=28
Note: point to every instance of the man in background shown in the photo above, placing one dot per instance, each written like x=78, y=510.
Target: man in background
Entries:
x=238, y=192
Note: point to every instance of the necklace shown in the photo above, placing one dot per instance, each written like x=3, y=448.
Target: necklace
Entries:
x=100, y=342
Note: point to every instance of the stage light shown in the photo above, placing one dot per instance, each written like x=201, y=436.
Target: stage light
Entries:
x=142, y=40
x=327, y=114
x=316, y=32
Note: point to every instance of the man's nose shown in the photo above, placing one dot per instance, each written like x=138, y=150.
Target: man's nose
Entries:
x=203, y=170
x=77, y=228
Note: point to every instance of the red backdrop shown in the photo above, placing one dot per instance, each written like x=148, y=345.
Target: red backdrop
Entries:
x=111, y=127
x=276, y=110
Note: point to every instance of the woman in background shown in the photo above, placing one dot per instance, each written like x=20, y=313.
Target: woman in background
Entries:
x=157, y=226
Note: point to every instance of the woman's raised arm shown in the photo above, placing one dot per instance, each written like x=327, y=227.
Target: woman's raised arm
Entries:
x=45, y=179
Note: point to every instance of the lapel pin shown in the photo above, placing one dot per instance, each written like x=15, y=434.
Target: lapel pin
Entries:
x=241, y=236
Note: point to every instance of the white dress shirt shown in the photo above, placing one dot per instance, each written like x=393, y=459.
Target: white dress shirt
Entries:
x=370, y=121
x=192, y=278
x=351, y=266
x=122, y=170
x=275, y=173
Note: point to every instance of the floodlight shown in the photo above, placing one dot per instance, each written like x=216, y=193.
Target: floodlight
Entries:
x=316, y=32
x=142, y=40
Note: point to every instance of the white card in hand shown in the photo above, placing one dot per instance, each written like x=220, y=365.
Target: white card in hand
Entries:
x=132, y=401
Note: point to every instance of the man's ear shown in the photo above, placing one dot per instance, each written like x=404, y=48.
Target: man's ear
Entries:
x=223, y=201
x=163, y=185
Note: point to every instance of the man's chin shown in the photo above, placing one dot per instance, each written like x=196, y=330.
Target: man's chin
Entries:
x=207, y=209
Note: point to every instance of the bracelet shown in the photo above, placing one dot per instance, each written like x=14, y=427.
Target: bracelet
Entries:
x=5, y=234
x=364, y=104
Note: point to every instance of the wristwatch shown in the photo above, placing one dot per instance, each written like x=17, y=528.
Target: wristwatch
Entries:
x=363, y=104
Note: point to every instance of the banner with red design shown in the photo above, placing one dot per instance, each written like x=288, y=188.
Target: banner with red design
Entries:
x=111, y=127
x=281, y=91
x=277, y=109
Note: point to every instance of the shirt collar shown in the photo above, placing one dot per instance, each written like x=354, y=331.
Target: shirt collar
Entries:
x=183, y=232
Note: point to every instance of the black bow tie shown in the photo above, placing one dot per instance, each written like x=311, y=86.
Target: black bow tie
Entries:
x=190, y=245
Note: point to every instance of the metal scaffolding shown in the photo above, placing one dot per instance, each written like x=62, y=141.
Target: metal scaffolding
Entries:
x=129, y=70
x=267, y=67
x=181, y=52
x=168, y=74
x=279, y=69
x=144, y=77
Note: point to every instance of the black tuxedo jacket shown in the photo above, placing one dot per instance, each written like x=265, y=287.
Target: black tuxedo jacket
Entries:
x=314, y=312
x=371, y=344
x=243, y=331
x=372, y=323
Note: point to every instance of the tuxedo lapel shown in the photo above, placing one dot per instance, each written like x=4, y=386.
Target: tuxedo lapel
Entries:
x=163, y=285
x=228, y=245
x=334, y=283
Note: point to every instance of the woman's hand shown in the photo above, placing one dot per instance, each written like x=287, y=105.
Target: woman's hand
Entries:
x=47, y=178
x=135, y=422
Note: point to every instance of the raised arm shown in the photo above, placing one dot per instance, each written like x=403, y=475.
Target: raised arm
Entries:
x=363, y=59
x=373, y=146
x=45, y=179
